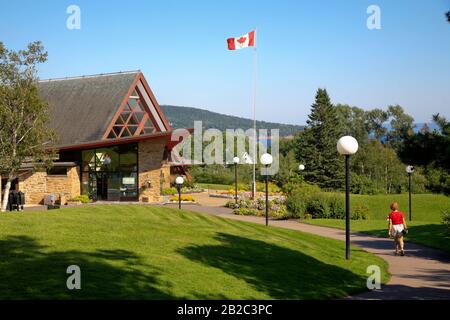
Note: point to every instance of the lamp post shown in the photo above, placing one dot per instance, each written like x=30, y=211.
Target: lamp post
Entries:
x=409, y=171
x=347, y=146
x=266, y=160
x=236, y=162
x=179, y=182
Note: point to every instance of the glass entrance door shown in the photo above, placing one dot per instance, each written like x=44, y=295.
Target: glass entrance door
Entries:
x=102, y=185
x=111, y=173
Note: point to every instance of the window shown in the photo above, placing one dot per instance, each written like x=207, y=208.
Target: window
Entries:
x=111, y=173
x=57, y=171
x=88, y=157
x=133, y=119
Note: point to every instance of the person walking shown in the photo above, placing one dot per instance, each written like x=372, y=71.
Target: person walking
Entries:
x=397, y=228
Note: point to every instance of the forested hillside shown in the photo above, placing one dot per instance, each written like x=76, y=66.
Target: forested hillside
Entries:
x=184, y=117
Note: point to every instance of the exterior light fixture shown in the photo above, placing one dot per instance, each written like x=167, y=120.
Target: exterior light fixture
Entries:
x=235, y=162
x=179, y=182
x=266, y=160
x=410, y=171
x=347, y=146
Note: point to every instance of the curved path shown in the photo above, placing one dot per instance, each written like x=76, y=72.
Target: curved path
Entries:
x=423, y=273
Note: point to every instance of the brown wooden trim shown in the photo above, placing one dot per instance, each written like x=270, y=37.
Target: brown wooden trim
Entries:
x=142, y=124
x=122, y=105
x=111, y=142
x=155, y=103
x=147, y=108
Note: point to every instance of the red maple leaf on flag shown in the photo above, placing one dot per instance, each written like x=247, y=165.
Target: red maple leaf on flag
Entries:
x=241, y=40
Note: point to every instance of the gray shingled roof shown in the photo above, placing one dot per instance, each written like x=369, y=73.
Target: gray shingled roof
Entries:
x=83, y=107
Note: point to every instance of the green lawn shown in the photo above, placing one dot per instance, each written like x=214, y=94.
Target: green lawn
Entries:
x=432, y=235
x=134, y=251
x=425, y=207
x=425, y=228
x=213, y=186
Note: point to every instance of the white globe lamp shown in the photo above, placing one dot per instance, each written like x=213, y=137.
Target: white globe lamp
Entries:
x=179, y=180
x=347, y=145
x=266, y=159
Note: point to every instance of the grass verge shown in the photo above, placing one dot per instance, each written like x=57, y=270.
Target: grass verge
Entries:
x=146, y=252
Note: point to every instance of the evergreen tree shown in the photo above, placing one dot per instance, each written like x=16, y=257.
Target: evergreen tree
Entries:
x=316, y=145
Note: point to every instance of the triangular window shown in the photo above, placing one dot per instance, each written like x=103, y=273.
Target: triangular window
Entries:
x=139, y=107
x=132, y=129
x=133, y=119
x=132, y=103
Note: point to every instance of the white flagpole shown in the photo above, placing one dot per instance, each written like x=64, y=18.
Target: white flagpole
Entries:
x=255, y=156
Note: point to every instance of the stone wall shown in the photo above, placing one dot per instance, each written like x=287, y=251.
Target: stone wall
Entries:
x=68, y=185
x=165, y=172
x=36, y=185
x=151, y=153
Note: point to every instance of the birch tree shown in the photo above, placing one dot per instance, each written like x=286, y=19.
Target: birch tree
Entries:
x=24, y=135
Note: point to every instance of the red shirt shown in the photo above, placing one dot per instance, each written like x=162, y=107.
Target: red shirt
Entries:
x=396, y=217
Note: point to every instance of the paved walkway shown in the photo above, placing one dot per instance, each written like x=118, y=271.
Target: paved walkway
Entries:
x=423, y=273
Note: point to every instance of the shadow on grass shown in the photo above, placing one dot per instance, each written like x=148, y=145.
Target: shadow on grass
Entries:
x=29, y=271
x=280, y=272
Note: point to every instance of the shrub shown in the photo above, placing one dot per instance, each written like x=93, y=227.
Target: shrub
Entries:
x=273, y=188
x=304, y=189
x=296, y=204
x=230, y=204
x=260, y=187
x=360, y=212
x=193, y=188
x=307, y=216
x=169, y=191
x=84, y=198
x=248, y=212
x=318, y=206
x=189, y=184
x=278, y=211
x=337, y=207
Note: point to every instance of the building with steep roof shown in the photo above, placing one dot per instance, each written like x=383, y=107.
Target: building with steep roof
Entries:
x=113, y=141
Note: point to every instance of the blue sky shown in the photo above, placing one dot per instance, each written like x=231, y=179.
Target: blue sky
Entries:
x=302, y=45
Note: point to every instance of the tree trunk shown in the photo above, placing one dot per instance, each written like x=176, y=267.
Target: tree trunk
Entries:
x=1, y=192
x=6, y=193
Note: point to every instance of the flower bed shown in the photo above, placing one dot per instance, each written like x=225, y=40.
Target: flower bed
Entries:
x=184, y=199
x=246, y=206
x=172, y=190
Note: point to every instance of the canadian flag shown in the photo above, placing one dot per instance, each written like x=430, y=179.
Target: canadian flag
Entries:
x=247, y=40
